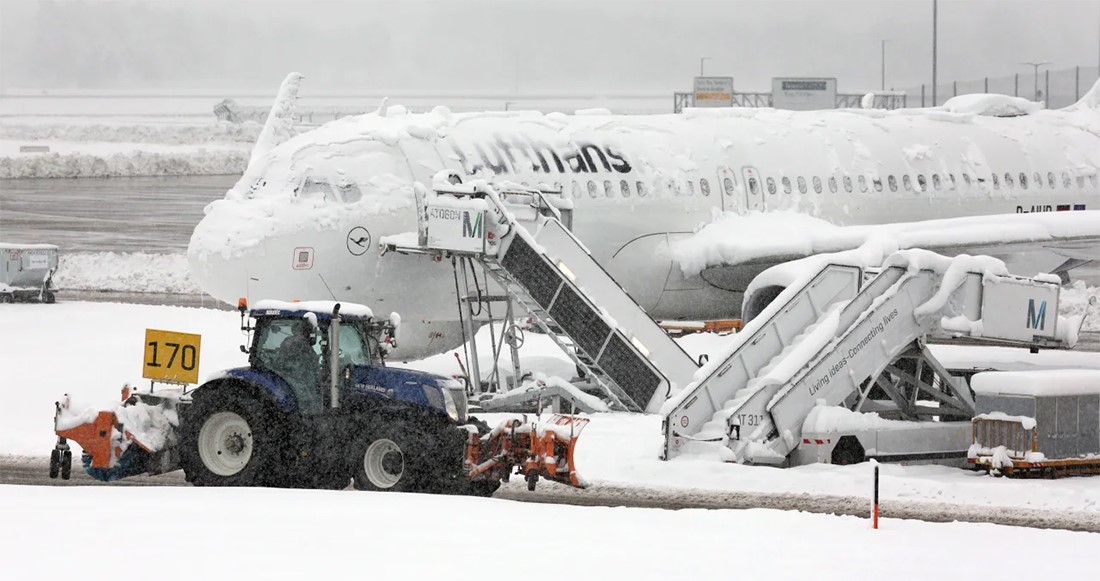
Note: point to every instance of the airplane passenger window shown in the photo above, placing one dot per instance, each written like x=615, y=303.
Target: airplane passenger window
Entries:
x=1051, y=181
x=1023, y=180
x=727, y=185
x=624, y=188
x=771, y=186
x=848, y=184
x=786, y=185
x=966, y=179
x=592, y=189
x=817, y=185
x=996, y=182
x=1008, y=181
x=832, y=184
x=801, y=185
x=641, y=189
x=936, y=183
x=1092, y=180
x=690, y=188
x=952, y=176
x=608, y=189
x=1080, y=182
x=877, y=182
x=1066, y=182
x=892, y=182
x=704, y=187
x=753, y=186
x=923, y=183
x=863, y=184
x=907, y=182
x=576, y=190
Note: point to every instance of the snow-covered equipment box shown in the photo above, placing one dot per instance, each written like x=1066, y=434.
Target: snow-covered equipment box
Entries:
x=317, y=408
x=27, y=272
x=1037, y=422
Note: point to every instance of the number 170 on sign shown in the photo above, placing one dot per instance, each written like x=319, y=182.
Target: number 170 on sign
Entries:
x=172, y=357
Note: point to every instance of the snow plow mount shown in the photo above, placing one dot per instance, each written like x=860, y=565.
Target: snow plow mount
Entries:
x=531, y=448
x=111, y=450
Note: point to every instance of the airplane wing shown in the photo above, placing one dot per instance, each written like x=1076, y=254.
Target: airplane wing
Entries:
x=721, y=251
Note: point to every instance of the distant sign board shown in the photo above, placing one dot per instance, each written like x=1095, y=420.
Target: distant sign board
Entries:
x=714, y=91
x=803, y=94
x=457, y=228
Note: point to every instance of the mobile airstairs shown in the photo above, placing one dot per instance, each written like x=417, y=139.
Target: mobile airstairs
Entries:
x=844, y=336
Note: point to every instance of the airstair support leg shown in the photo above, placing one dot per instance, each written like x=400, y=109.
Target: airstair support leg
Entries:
x=469, y=327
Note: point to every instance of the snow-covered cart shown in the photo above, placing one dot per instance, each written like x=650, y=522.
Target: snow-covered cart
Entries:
x=27, y=272
x=1037, y=423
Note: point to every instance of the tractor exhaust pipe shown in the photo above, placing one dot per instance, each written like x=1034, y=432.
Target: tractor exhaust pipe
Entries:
x=334, y=358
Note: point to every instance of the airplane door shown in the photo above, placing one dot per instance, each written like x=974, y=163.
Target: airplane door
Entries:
x=754, y=189
x=727, y=185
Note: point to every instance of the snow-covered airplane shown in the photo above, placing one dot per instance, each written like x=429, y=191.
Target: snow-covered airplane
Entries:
x=984, y=173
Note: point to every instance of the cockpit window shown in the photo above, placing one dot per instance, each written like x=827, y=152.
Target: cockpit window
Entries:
x=315, y=189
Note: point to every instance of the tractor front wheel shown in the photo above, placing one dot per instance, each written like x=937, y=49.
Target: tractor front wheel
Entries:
x=389, y=460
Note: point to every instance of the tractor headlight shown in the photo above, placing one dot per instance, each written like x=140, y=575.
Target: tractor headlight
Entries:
x=455, y=402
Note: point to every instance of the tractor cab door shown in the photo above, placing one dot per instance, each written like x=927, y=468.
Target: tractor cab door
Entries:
x=289, y=348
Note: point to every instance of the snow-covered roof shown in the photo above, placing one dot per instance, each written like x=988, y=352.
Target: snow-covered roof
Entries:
x=1038, y=383
x=323, y=309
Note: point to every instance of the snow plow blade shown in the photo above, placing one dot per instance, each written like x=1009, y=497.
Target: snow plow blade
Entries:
x=137, y=437
x=532, y=448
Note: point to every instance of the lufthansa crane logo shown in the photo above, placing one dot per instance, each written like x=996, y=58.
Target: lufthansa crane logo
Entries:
x=358, y=241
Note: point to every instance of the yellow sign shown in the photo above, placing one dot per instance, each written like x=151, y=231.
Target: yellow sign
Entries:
x=171, y=356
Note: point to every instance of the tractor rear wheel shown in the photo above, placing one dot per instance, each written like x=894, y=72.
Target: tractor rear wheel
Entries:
x=229, y=440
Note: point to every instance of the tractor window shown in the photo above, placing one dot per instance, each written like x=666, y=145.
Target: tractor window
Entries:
x=352, y=349
x=273, y=338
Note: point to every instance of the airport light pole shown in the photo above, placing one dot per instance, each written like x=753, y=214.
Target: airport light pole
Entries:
x=702, y=61
x=883, y=87
x=1036, y=69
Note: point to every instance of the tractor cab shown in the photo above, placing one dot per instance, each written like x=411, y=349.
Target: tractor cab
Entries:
x=304, y=342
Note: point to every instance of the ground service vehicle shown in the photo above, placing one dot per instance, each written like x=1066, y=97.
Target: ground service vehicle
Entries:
x=317, y=407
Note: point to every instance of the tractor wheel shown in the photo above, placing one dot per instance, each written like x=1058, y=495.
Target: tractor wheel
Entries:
x=229, y=439
x=48, y=297
x=388, y=460
x=55, y=462
x=7, y=298
x=484, y=488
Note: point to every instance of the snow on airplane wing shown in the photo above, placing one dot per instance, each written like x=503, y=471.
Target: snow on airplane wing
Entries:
x=767, y=238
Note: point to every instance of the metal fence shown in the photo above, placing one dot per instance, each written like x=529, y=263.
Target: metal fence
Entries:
x=1057, y=88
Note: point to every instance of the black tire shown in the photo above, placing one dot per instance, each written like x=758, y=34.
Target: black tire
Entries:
x=7, y=298
x=48, y=297
x=848, y=451
x=532, y=478
x=55, y=463
x=66, y=464
x=230, y=439
x=390, y=459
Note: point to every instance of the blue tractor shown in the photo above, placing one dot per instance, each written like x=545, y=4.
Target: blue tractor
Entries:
x=317, y=407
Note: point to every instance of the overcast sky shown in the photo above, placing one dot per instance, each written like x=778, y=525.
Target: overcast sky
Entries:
x=529, y=46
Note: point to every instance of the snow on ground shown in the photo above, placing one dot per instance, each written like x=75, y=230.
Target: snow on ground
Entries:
x=323, y=534
x=89, y=149
x=90, y=349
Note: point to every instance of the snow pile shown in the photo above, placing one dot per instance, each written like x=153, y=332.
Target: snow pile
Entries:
x=1074, y=300
x=184, y=161
x=825, y=419
x=163, y=133
x=125, y=271
x=991, y=105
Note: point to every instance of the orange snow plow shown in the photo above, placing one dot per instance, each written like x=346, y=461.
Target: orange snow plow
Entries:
x=537, y=450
